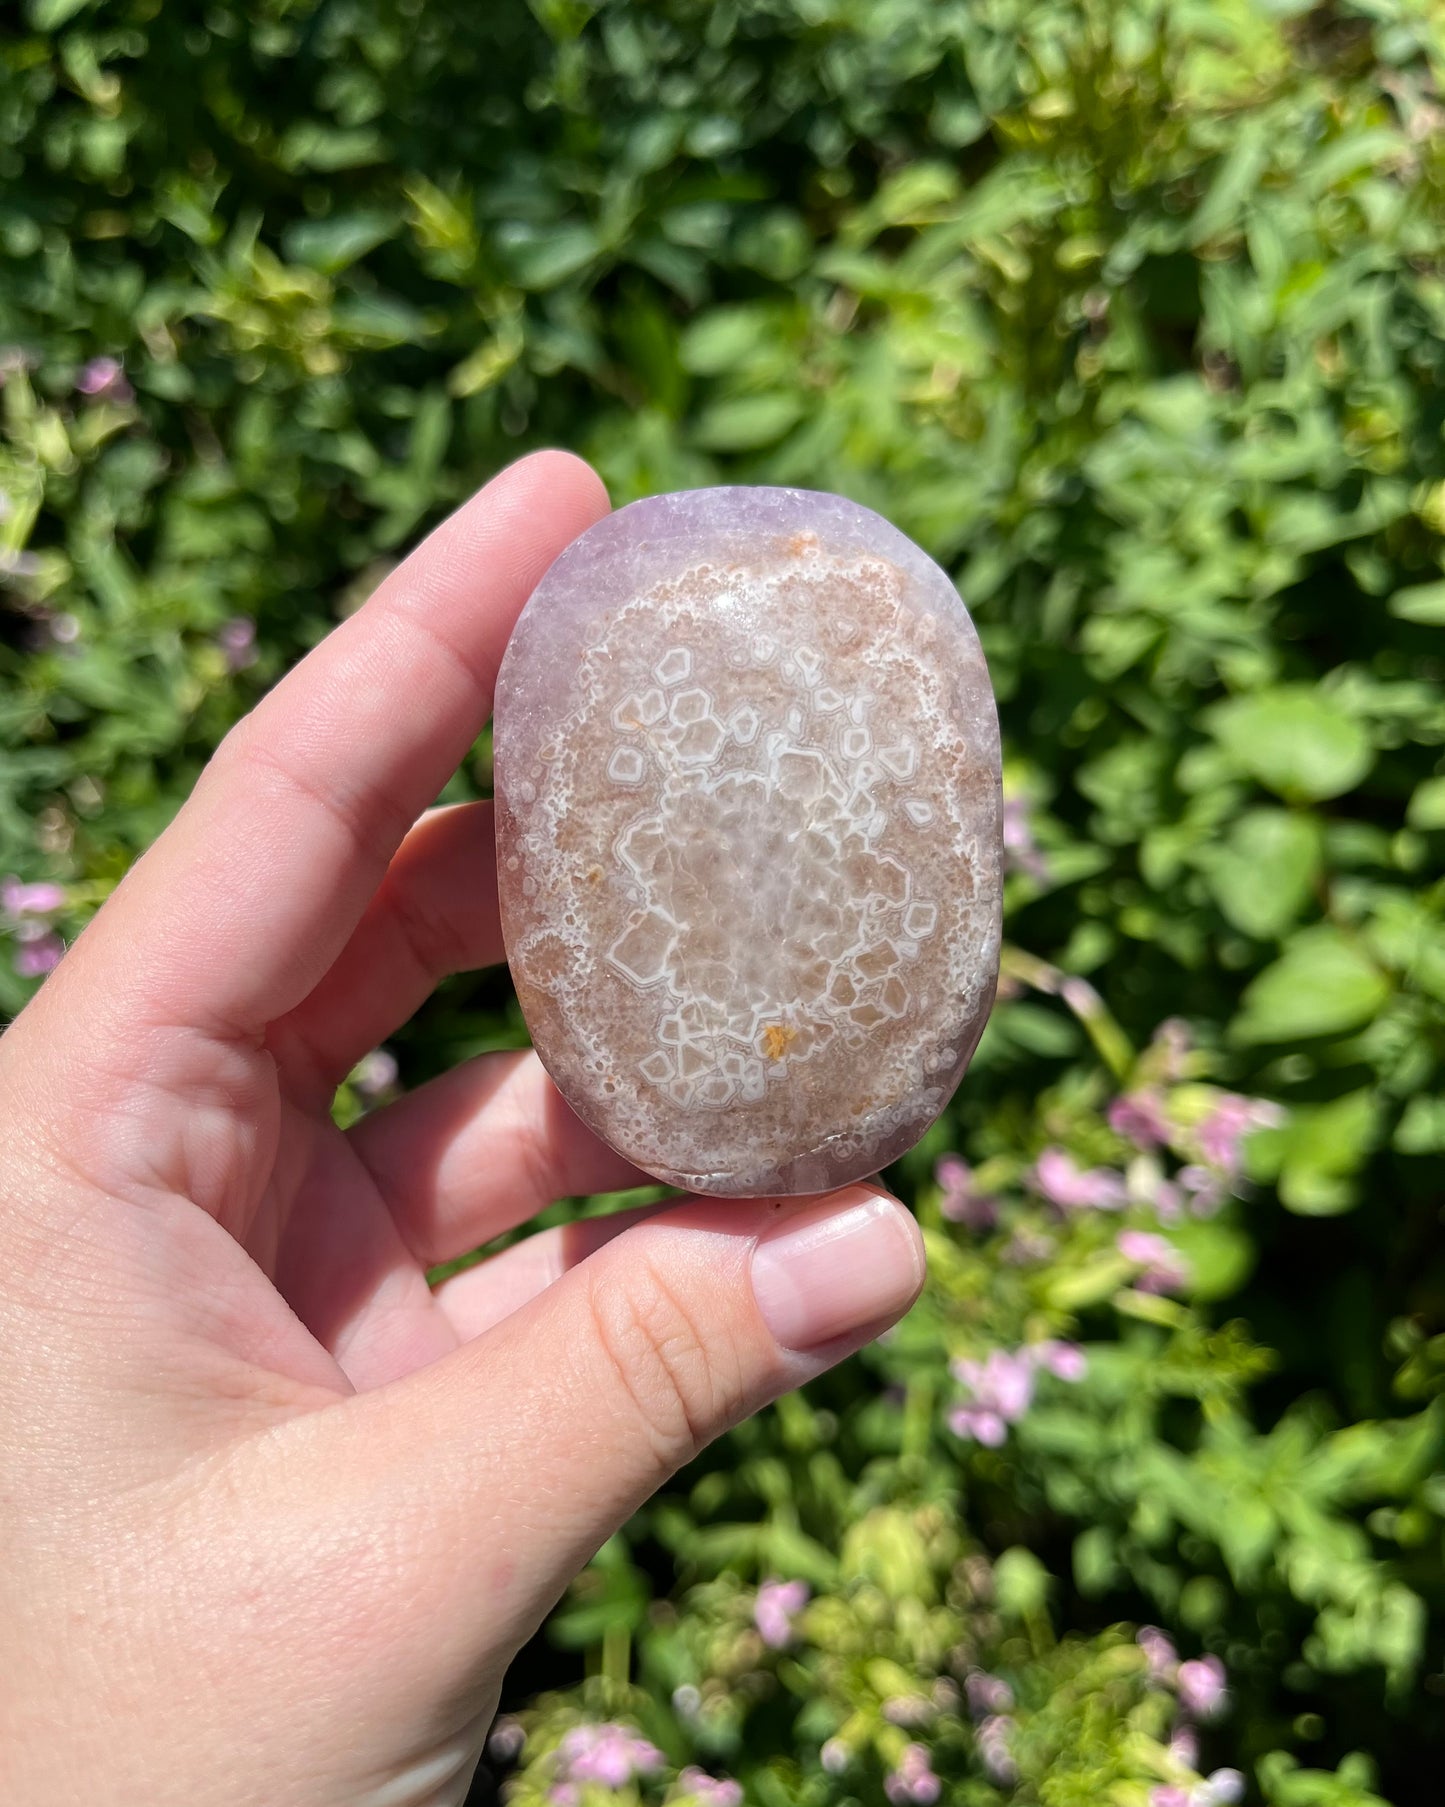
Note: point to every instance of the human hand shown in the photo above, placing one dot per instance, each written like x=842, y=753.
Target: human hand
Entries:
x=275, y=1516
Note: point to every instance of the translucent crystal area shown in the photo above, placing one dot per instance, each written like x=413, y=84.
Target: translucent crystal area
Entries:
x=748, y=836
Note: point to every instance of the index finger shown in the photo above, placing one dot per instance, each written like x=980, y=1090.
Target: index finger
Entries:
x=240, y=907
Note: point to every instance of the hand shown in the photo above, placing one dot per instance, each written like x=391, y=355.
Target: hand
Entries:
x=274, y=1515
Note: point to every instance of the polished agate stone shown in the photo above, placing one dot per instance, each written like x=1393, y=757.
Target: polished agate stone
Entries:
x=748, y=836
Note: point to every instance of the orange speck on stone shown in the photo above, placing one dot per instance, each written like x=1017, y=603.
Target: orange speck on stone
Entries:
x=776, y=1040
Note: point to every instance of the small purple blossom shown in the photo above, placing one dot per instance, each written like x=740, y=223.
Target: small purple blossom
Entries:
x=976, y=1425
x=1140, y=1118
x=1184, y=1740
x=1073, y=1188
x=987, y=1694
x=774, y=1609
x=1203, y=1188
x=505, y=1740
x=1168, y=1795
x=1021, y=851
x=1162, y=1269
x=913, y=1780
x=102, y=379
x=1173, y=1042
x=40, y=899
x=908, y=1709
x=709, y=1791
x=1159, y=1653
x=1081, y=997
x=834, y=1756
x=237, y=641
x=34, y=958
x=375, y=1073
x=1026, y=1246
x=960, y=1203
x=1221, y=1134
x=607, y=1754
x=1001, y=1389
x=1066, y=1361
x=1221, y=1788
x=993, y=1748
x=1201, y=1685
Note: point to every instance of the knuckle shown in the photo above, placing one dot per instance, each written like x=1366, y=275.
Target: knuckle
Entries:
x=680, y=1378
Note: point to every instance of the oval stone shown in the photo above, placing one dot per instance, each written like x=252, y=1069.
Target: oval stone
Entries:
x=748, y=836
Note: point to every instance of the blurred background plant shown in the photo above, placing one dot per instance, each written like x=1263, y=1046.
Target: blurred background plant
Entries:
x=1133, y=313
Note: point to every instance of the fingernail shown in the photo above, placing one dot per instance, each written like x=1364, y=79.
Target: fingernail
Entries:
x=837, y=1267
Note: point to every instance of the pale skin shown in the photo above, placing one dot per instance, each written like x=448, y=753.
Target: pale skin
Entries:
x=275, y=1515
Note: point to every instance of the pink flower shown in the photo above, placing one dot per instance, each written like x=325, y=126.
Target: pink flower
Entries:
x=977, y=1426
x=1081, y=997
x=913, y=1781
x=908, y=1709
x=774, y=1609
x=993, y=1748
x=1162, y=1269
x=33, y=959
x=1201, y=1687
x=375, y=1073
x=1159, y=1653
x=1167, y=1795
x=960, y=1203
x=1002, y=1384
x=1141, y=1119
x=237, y=640
x=1173, y=1040
x=1222, y=1133
x=834, y=1756
x=608, y=1754
x=1203, y=1188
x=987, y=1694
x=1021, y=852
x=1184, y=1741
x=1219, y=1789
x=103, y=380
x=42, y=899
x=1027, y=1246
x=1066, y=1361
x=709, y=1791
x=505, y=1740
x=1072, y=1188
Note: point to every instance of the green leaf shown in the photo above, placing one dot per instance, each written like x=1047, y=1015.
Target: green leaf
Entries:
x=331, y=245
x=1021, y=1583
x=1264, y=874
x=543, y=262
x=1426, y=808
x=1424, y=603
x=1324, y=984
x=1220, y=1258
x=50, y=15
x=748, y=422
x=1325, y=1146
x=1297, y=742
x=1421, y=1130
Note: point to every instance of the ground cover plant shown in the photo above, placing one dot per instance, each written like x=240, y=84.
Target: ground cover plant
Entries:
x=1134, y=315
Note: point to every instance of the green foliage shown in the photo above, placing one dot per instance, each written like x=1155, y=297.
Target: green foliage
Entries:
x=1133, y=314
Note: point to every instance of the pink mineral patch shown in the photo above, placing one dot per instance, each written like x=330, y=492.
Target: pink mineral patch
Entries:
x=748, y=836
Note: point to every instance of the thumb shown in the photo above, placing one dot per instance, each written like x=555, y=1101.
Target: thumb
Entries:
x=517, y=1456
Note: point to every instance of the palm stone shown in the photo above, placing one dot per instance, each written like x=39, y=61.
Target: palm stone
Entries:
x=748, y=836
